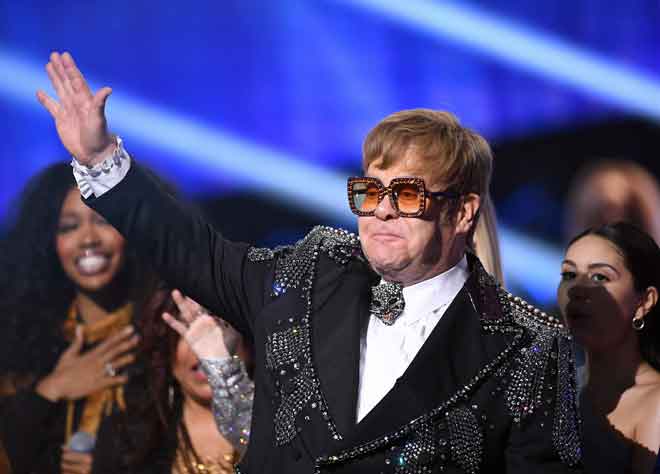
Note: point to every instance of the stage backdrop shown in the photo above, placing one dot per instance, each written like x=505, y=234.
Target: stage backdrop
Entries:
x=257, y=109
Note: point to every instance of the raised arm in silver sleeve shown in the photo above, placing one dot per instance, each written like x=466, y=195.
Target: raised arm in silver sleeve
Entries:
x=233, y=393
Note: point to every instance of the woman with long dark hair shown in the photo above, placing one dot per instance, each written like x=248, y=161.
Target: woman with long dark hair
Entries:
x=608, y=297
x=170, y=427
x=70, y=290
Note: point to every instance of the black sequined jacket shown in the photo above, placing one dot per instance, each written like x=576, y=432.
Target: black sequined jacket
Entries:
x=490, y=391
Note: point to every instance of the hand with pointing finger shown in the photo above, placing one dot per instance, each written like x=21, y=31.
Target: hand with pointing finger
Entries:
x=208, y=336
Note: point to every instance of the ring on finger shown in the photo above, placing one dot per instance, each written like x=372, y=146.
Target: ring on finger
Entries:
x=110, y=369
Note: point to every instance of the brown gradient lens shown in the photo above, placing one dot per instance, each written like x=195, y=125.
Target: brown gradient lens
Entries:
x=365, y=196
x=408, y=197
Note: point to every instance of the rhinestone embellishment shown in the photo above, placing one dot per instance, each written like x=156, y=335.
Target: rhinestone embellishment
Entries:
x=387, y=302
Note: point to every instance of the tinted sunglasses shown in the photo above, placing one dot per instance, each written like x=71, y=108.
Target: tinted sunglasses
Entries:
x=407, y=195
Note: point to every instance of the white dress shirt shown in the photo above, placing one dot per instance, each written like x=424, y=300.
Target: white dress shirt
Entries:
x=99, y=179
x=387, y=351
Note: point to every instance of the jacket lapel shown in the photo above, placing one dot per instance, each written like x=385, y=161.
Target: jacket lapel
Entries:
x=454, y=353
x=336, y=339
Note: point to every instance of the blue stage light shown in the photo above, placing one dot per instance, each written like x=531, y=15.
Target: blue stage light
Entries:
x=528, y=49
x=261, y=169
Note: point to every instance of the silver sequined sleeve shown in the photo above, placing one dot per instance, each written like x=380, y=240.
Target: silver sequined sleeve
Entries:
x=233, y=393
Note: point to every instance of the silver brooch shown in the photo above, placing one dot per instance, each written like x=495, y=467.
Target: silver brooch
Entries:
x=387, y=301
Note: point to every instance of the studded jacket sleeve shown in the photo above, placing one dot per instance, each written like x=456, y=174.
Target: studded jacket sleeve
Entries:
x=233, y=394
x=544, y=437
x=187, y=252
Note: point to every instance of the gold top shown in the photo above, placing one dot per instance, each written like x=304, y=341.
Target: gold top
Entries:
x=223, y=465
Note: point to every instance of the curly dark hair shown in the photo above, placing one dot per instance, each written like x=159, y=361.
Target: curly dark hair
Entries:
x=152, y=428
x=35, y=293
x=641, y=255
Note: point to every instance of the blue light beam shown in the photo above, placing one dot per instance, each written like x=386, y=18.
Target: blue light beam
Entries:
x=527, y=49
x=262, y=169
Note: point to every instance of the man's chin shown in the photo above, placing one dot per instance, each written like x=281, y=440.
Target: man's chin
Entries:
x=387, y=268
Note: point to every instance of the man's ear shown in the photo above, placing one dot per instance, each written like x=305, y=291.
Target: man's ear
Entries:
x=467, y=212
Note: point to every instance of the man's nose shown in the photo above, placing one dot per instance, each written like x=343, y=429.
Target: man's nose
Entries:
x=384, y=211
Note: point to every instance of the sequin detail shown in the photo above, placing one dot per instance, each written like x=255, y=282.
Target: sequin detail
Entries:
x=421, y=452
x=260, y=254
x=286, y=347
x=295, y=267
x=387, y=302
x=567, y=424
x=465, y=439
x=460, y=395
x=528, y=376
x=288, y=351
x=295, y=393
x=233, y=395
x=537, y=338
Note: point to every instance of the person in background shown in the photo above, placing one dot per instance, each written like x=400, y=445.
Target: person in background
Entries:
x=608, y=296
x=170, y=426
x=609, y=191
x=70, y=291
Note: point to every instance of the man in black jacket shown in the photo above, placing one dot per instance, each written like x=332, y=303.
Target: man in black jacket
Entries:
x=391, y=352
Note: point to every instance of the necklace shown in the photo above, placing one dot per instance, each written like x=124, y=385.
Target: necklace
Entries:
x=187, y=461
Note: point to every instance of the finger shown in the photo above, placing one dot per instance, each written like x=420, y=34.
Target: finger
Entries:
x=114, y=381
x=184, y=307
x=175, y=324
x=56, y=82
x=77, y=344
x=76, y=77
x=100, y=98
x=75, y=463
x=56, y=59
x=123, y=361
x=193, y=305
x=49, y=104
x=115, y=339
x=75, y=457
x=121, y=348
x=74, y=468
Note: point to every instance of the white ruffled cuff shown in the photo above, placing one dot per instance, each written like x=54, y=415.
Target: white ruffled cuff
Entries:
x=102, y=177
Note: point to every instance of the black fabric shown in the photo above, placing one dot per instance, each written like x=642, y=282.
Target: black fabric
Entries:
x=191, y=256
x=32, y=430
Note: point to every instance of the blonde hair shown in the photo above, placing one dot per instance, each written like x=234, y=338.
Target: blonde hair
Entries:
x=453, y=156
x=485, y=241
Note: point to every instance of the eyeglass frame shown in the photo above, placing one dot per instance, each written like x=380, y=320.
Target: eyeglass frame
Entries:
x=423, y=193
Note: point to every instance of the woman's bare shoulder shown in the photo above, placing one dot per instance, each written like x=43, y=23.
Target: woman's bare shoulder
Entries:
x=647, y=431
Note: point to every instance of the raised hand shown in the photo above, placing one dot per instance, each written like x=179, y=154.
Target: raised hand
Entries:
x=77, y=374
x=80, y=115
x=209, y=337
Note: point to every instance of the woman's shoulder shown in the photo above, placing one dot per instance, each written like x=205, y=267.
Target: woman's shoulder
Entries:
x=649, y=399
x=647, y=409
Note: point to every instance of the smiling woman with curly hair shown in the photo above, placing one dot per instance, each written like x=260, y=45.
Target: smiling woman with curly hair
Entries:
x=70, y=289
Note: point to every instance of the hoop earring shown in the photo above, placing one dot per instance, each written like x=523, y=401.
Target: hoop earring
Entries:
x=638, y=324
